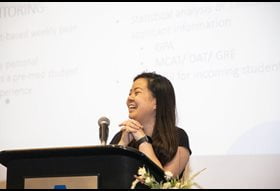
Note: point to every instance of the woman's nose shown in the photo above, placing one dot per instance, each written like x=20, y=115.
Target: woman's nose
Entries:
x=130, y=96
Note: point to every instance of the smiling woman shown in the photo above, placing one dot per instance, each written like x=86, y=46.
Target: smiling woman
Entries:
x=151, y=127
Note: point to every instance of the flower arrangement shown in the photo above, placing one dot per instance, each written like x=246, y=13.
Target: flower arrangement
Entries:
x=170, y=182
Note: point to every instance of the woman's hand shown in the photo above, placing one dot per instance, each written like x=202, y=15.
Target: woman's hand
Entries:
x=131, y=129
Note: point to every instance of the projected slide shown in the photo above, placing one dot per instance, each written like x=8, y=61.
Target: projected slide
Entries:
x=64, y=65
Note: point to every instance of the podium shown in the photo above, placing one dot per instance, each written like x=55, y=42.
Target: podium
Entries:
x=101, y=167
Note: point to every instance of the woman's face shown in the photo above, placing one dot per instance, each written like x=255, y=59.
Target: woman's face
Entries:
x=140, y=102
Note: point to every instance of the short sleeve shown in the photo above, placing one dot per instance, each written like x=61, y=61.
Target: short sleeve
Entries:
x=184, y=139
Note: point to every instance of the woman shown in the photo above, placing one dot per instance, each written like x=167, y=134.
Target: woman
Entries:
x=151, y=127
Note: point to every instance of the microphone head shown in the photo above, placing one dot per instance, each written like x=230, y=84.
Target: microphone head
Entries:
x=103, y=123
x=103, y=120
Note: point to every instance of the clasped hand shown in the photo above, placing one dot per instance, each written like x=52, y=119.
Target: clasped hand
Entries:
x=131, y=129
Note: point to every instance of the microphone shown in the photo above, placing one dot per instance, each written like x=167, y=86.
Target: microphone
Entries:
x=103, y=123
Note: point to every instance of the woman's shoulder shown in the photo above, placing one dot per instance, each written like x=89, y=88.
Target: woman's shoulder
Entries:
x=183, y=138
x=181, y=131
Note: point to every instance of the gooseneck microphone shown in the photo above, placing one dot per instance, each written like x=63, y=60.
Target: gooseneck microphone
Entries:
x=103, y=123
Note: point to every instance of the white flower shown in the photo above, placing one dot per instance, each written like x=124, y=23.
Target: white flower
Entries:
x=134, y=184
x=142, y=171
x=166, y=185
x=178, y=185
x=148, y=180
x=168, y=175
x=144, y=177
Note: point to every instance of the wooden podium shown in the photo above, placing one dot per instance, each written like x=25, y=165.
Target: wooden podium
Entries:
x=101, y=167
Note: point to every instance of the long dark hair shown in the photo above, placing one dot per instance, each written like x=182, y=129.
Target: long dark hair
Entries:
x=165, y=137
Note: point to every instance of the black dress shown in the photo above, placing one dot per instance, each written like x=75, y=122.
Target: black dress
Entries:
x=183, y=141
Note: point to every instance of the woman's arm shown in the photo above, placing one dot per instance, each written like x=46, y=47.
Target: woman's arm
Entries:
x=179, y=162
x=176, y=165
x=148, y=150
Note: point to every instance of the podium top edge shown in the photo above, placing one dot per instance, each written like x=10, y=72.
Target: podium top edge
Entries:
x=8, y=155
x=69, y=148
